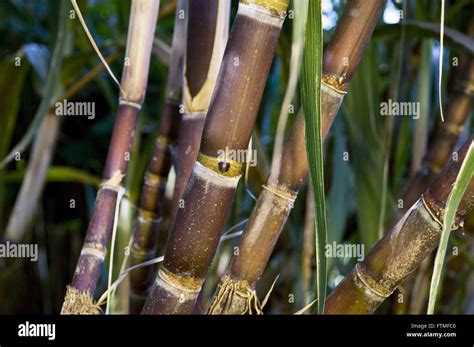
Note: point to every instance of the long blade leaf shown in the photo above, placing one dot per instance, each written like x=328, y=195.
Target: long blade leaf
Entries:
x=49, y=89
x=462, y=181
x=57, y=174
x=310, y=94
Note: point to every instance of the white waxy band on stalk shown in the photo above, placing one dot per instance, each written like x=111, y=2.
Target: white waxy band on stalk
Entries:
x=130, y=103
x=375, y=291
x=259, y=13
x=428, y=215
x=213, y=177
x=184, y=294
x=93, y=252
x=116, y=189
x=332, y=90
x=194, y=115
x=146, y=220
x=287, y=197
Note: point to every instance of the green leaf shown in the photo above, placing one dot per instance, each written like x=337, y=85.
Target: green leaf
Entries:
x=58, y=174
x=454, y=199
x=310, y=98
x=364, y=133
x=420, y=138
x=420, y=29
x=50, y=87
x=338, y=207
x=38, y=56
x=11, y=85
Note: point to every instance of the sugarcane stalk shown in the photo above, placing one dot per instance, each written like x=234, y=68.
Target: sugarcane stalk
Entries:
x=210, y=190
x=208, y=29
x=42, y=154
x=152, y=200
x=236, y=292
x=78, y=298
x=445, y=138
x=447, y=133
x=402, y=249
x=440, y=149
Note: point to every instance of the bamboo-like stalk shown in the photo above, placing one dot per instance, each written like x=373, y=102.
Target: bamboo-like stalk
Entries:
x=211, y=187
x=447, y=133
x=236, y=292
x=78, y=298
x=208, y=29
x=42, y=154
x=151, y=210
x=402, y=249
x=441, y=147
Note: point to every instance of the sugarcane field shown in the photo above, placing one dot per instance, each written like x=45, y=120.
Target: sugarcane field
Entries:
x=237, y=157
